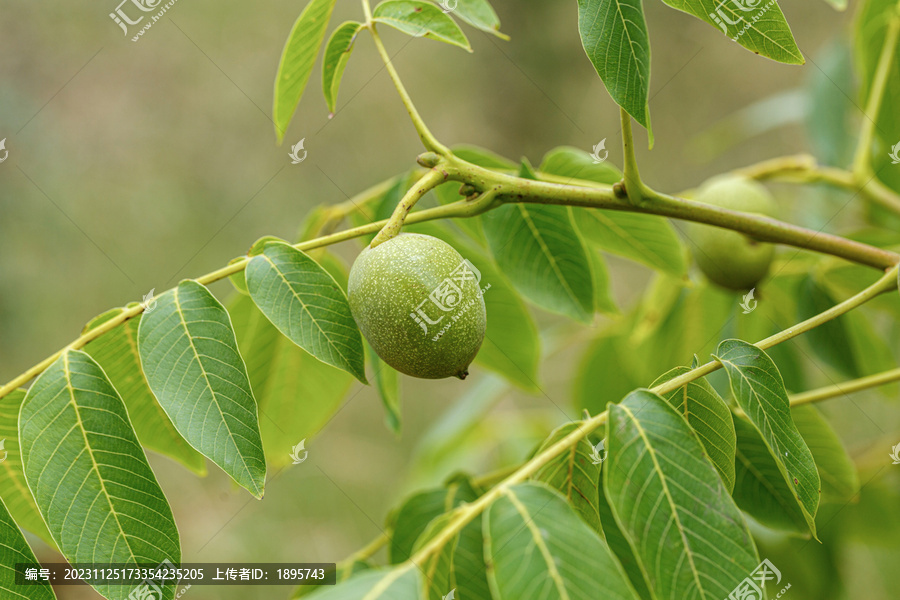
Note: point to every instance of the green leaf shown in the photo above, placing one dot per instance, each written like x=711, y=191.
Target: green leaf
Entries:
x=536, y=546
x=419, y=510
x=437, y=569
x=620, y=547
x=831, y=104
x=831, y=340
x=671, y=503
x=759, y=488
x=840, y=482
x=574, y=474
x=709, y=417
x=870, y=33
x=88, y=474
x=13, y=487
x=297, y=60
x=478, y=14
x=116, y=352
x=387, y=382
x=574, y=163
x=511, y=345
x=297, y=393
x=603, y=299
x=193, y=366
x=614, y=36
x=483, y=157
x=306, y=304
x=759, y=391
x=447, y=193
x=14, y=549
x=469, y=574
x=539, y=249
x=756, y=25
x=337, y=53
x=647, y=239
x=420, y=19
x=400, y=583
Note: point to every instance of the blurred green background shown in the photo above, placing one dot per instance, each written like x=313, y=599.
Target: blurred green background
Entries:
x=134, y=165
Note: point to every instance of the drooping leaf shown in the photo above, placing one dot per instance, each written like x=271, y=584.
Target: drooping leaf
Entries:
x=829, y=89
x=398, y=583
x=469, y=575
x=306, y=304
x=831, y=340
x=477, y=13
x=337, y=53
x=574, y=474
x=758, y=26
x=759, y=489
x=420, y=19
x=89, y=475
x=603, y=298
x=511, y=344
x=13, y=487
x=709, y=417
x=387, y=382
x=483, y=157
x=840, y=482
x=192, y=363
x=297, y=393
x=870, y=34
x=537, y=547
x=574, y=163
x=297, y=60
x=619, y=546
x=14, y=549
x=671, y=503
x=647, y=239
x=117, y=352
x=614, y=36
x=419, y=510
x=539, y=249
x=437, y=568
x=759, y=391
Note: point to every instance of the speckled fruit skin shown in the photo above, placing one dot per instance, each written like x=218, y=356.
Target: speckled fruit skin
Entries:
x=729, y=258
x=387, y=284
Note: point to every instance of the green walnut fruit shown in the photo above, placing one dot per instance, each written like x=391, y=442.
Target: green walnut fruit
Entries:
x=732, y=259
x=419, y=304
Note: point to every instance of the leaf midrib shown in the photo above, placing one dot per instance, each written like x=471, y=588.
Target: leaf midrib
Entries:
x=187, y=333
x=528, y=519
x=536, y=234
x=662, y=479
x=90, y=453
